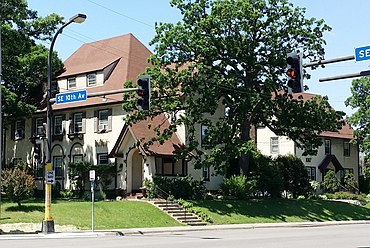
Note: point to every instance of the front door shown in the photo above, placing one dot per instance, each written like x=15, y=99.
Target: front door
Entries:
x=137, y=171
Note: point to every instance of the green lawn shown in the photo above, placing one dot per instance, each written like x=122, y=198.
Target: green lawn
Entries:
x=128, y=214
x=280, y=210
x=107, y=215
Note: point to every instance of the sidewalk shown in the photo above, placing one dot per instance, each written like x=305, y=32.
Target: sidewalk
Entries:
x=143, y=231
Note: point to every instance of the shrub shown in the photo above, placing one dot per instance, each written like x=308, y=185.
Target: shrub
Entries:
x=66, y=193
x=267, y=175
x=331, y=182
x=17, y=185
x=349, y=182
x=178, y=187
x=294, y=173
x=238, y=186
x=347, y=196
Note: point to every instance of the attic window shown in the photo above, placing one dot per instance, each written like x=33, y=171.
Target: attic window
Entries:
x=71, y=83
x=91, y=79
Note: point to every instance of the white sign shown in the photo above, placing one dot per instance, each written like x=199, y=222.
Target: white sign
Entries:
x=92, y=175
x=50, y=177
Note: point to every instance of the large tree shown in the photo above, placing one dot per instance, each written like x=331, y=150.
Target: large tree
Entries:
x=233, y=52
x=24, y=59
x=360, y=100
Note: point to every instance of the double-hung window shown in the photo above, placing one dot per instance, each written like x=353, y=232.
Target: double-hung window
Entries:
x=58, y=166
x=40, y=130
x=58, y=125
x=327, y=143
x=19, y=129
x=103, y=158
x=103, y=120
x=77, y=123
x=274, y=145
x=71, y=83
x=346, y=149
x=91, y=79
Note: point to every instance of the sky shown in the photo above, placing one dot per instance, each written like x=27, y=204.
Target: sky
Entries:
x=105, y=19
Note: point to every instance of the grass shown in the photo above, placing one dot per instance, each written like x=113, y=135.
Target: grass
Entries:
x=129, y=214
x=107, y=215
x=281, y=210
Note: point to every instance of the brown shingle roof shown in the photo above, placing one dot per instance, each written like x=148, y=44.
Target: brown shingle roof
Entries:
x=144, y=132
x=131, y=56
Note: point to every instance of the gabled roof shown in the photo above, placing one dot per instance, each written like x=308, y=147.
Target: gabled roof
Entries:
x=333, y=159
x=143, y=131
x=128, y=52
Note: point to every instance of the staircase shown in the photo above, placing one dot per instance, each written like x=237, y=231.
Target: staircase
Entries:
x=179, y=213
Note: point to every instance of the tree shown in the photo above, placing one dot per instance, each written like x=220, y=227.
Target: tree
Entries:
x=360, y=100
x=17, y=184
x=294, y=174
x=331, y=182
x=24, y=61
x=232, y=53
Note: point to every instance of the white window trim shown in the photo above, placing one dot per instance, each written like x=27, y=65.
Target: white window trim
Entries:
x=69, y=81
x=55, y=124
x=274, y=145
x=90, y=82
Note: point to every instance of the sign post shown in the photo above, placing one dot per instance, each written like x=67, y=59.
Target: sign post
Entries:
x=92, y=181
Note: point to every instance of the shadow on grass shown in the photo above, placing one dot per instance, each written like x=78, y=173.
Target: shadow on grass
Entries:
x=25, y=208
x=283, y=210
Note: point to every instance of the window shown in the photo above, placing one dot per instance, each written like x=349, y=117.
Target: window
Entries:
x=204, y=135
x=71, y=83
x=311, y=171
x=58, y=166
x=77, y=123
x=40, y=130
x=308, y=160
x=205, y=173
x=58, y=125
x=327, y=146
x=103, y=158
x=19, y=130
x=103, y=120
x=77, y=158
x=346, y=149
x=91, y=79
x=170, y=167
x=274, y=145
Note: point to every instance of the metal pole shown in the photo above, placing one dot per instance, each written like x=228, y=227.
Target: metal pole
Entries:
x=92, y=206
x=48, y=223
x=1, y=119
x=351, y=75
x=329, y=61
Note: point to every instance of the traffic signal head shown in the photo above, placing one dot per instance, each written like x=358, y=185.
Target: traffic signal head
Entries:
x=143, y=93
x=294, y=72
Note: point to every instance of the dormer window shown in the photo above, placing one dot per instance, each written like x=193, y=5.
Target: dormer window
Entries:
x=71, y=83
x=91, y=79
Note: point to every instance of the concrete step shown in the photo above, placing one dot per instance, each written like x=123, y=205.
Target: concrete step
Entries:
x=197, y=224
x=188, y=218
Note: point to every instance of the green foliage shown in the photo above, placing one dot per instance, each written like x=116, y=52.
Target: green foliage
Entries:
x=349, y=182
x=294, y=174
x=267, y=174
x=66, y=193
x=232, y=53
x=79, y=175
x=331, y=183
x=360, y=102
x=17, y=185
x=197, y=211
x=347, y=196
x=238, y=186
x=178, y=187
x=24, y=61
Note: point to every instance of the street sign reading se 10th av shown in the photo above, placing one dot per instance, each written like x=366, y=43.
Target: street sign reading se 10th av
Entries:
x=69, y=97
x=362, y=53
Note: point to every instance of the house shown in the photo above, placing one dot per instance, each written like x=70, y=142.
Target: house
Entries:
x=94, y=130
x=337, y=152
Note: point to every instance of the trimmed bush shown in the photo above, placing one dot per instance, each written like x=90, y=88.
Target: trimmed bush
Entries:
x=331, y=182
x=238, y=186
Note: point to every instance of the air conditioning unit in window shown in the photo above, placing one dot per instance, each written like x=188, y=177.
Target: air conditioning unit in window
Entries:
x=103, y=127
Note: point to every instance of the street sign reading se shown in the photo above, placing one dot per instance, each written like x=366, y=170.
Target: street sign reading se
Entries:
x=362, y=53
x=69, y=97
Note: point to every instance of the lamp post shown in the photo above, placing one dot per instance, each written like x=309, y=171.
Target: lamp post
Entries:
x=48, y=222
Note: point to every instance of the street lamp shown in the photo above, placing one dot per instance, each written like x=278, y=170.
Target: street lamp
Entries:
x=48, y=222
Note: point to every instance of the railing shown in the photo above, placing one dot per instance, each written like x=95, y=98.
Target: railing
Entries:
x=357, y=191
x=158, y=192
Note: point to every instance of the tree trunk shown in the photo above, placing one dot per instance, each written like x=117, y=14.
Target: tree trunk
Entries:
x=244, y=158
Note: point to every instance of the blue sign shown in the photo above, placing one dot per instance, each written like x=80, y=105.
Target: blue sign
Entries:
x=68, y=97
x=362, y=53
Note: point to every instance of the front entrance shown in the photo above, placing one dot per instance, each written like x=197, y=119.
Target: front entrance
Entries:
x=137, y=171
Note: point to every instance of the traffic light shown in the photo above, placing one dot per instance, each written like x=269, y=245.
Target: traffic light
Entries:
x=143, y=93
x=294, y=72
x=37, y=152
